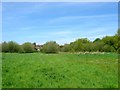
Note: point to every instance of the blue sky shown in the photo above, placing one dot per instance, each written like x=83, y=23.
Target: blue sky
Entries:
x=60, y=22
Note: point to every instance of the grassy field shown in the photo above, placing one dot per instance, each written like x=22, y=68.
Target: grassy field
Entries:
x=59, y=70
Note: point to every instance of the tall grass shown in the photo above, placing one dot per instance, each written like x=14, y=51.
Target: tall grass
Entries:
x=59, y=70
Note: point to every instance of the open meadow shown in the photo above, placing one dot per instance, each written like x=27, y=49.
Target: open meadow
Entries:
x=37, y=70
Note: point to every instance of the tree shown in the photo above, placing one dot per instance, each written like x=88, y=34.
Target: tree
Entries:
x=116, y=42
x=50, y=47
x=28, y=47
x=21, y=49
x=108, y=48
x=0, y=47
x=88, y=47
x=108, y=40
x=112, y=41
x=79, y=44
x=118, y=33
x=97, y=46
x=4, y=47
x=66, y=48
x=96, y=40
x=84, y=40
x=13, y=47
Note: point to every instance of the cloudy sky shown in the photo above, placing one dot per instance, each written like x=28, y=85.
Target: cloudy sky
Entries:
x=60, y=22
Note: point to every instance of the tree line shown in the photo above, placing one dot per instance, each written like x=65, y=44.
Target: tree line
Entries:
x=106, y=44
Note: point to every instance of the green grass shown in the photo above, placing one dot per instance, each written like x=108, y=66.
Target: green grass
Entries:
x=35, y=70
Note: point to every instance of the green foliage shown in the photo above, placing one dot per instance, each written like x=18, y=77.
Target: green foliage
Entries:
x=66, y=48
x=13, y=47
x=0, y=47
x=107, y=48
x=27, y=47
x=77, y=45
x=108, y=40
x=88, y=47
x=111, y=41
x=116, y=41
x=21, y=49
x=96, y=40
x=106, y=44
x=98, y=46
x=84, y=40
x=35, y=70
x=50, y=47
x=5, y=47
x=118, y=33
x=80, y=45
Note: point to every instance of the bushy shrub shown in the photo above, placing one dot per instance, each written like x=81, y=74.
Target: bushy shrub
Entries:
x=108, y=48
x=13, y=47
x=0, y=47
x=66, y=48
x=50, y=47
x=88, y=47
x=98, y=46
x=4, y=47
x=27, y=47
x=21, y=49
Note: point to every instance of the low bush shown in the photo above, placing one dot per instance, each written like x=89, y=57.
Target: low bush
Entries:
x=50, y=47
x=27, y=47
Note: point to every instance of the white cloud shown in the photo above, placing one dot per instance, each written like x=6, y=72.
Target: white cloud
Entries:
x=97, y=30
x=71, y=18
x=63, y=41
x=92, y=38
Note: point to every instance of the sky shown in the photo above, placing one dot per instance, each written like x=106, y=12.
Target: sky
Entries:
x=63, y=22
x=60, y=0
